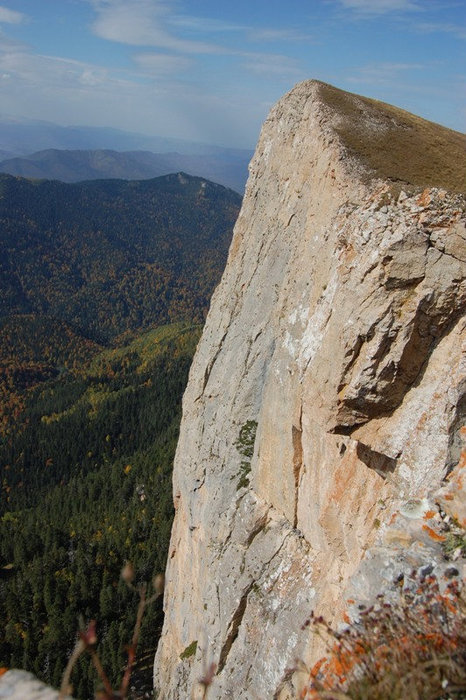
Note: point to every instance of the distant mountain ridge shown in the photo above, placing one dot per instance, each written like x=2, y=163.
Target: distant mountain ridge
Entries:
x=22, y=136
x=228, y=167
x=19, y=138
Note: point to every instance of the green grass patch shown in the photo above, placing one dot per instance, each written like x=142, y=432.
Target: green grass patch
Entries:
x=245, y=446
x=189, y=651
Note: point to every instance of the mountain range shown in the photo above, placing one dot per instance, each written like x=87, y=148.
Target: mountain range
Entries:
x=48, y=151
x=227, y=168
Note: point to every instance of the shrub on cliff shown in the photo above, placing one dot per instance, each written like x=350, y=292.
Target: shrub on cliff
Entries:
x=414, y=647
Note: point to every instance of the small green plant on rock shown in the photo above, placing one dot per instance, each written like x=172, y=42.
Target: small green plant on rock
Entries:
x=245, y=446
x=189, y=651
x=454, y=545
x=454, y=542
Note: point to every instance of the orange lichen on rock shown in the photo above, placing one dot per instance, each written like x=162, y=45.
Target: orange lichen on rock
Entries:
x=429, y=514
x=434, y=535
x=424, y=198
x=453, y=496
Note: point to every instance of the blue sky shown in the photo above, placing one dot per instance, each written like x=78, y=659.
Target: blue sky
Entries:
x=209, y=70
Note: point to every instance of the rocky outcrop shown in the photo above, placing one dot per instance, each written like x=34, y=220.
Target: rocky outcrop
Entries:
x=327, y=398
x=21, y=685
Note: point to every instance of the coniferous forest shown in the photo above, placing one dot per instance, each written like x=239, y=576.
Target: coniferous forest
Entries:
x=104, y=287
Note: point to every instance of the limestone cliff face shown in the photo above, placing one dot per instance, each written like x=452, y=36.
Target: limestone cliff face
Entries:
x=327, y=396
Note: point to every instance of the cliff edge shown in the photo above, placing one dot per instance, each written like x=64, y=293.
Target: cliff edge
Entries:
x=326, y=403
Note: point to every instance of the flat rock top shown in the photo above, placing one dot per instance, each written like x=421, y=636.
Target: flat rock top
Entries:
x=391, y=143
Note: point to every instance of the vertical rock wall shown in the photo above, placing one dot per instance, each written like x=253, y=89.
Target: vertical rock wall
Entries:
x=327, y=397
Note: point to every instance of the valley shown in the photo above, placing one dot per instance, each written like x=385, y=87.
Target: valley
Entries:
x=105, y=287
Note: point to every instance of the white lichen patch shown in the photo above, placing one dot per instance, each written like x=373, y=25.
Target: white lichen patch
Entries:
x=312, y=337
x=415, y=508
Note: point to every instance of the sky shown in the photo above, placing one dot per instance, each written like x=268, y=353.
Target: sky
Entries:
x=209, y=70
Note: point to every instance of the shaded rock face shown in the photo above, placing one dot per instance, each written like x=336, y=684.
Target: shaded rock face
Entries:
x=324, y=409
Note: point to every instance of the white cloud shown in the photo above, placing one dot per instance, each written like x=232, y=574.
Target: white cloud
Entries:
x=141, y=23
x=433, y=27
x=154, y=23
x=383, y=73
x=273, y=66
x=205, y=24
x=93, y=77
x=158, y=64
x=11, y=16
x=56, y=76
x=379, y=7
x=273, y=34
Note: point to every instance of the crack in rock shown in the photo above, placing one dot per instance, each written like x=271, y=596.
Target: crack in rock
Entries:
x=233, y=628
x=379, y=462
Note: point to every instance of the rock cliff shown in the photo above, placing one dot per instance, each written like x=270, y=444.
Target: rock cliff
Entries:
x=327, y=398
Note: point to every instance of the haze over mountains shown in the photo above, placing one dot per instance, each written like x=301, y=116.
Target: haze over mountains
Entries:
x=75, y=166
x=48, y=151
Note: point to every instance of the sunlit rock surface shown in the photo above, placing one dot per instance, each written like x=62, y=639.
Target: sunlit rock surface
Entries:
x=327, y=398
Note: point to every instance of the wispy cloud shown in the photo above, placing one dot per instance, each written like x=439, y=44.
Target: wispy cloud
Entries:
x=215, y=26
x=157, y=64
x=155, y=23
x=434, y=27
x=379, y=7
x=204, y=24
x=273, y=34
x=142, y=23
x=50, y=72
x=273, y=66
x=9, y=44
x=73, y=87
x=8, y=16
x=383, y=73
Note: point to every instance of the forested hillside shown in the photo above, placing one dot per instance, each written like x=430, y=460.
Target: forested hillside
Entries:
x=86, y=486
x=109, y=255
x=103, y=289
x=34, y=349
